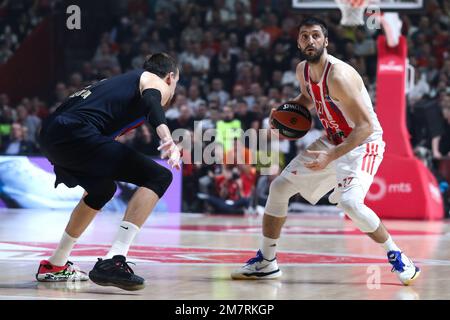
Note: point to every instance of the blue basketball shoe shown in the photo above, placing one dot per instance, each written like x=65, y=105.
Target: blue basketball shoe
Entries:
x=405, y=269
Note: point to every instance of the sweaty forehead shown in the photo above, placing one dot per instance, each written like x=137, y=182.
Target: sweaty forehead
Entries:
x=310, y=29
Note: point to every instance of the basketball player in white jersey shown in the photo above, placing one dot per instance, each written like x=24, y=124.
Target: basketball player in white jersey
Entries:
x=346, y=159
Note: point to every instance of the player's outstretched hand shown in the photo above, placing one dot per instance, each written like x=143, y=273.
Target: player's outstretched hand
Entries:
x=170, y=150
x=165, y=147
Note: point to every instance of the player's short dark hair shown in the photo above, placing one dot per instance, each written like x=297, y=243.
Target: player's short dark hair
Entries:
x=312, y=21
x=160, y=64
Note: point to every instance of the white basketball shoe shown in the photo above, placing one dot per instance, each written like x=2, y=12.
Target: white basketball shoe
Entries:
x=258, y=268
x=405, y=269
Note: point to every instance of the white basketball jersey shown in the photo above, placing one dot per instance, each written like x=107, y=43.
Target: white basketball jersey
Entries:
x=337, y=125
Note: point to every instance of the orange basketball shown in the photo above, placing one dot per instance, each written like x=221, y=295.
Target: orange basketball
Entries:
x=292, y=119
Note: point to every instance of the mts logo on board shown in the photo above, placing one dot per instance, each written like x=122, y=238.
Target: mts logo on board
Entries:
x=380, y=188
x=400, y=188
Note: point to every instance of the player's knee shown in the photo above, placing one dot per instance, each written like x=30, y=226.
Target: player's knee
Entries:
x=364, y=218
x=160, y=182
x=279, y=187
x=352, y=200
x=350, y=205
x=278, y=200
x=100, y=195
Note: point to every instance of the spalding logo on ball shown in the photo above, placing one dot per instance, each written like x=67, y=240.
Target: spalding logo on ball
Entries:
x=292, y=119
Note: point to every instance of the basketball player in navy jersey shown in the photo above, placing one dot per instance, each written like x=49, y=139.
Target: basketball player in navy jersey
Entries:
x=79, y=140
x=345, y=159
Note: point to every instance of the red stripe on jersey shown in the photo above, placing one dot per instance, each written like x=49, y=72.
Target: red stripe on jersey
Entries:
x=316, y=95
x=370, y=158
x=365, y=156
x=374, y=159
x=333, y=109
x=132, y=128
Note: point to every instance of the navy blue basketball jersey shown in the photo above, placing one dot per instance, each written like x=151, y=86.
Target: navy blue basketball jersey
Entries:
x=112, y=106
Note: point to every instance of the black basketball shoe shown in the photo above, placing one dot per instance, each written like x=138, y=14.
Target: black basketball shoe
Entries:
x=116, y=272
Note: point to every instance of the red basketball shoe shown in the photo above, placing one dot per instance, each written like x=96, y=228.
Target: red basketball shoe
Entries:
x=50, y=273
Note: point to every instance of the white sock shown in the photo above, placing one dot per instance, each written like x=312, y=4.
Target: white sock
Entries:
x=390, y=245
x=124, y=238
x=269, y=248
x=62, y=252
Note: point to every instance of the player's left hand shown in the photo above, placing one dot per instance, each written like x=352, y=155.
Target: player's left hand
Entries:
x=323, y=158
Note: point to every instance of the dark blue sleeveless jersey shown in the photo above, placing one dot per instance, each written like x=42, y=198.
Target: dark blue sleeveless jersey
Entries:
x=112, y=106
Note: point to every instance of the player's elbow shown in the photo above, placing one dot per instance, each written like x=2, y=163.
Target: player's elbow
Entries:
x=365, y=129
x=368, y=128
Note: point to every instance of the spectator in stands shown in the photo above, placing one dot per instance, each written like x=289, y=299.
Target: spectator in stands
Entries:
x=257, y=53
x=279, y=59
x=218, y=91
x=258, y=35
x=185, y=120
x=105, y=59
x=218, y=12
x=17, y=144
x=255, y=93
x=364, y=45
x=248, y=181
x=249, y=119
x=29, y=120
x=139, y=60
x=193, y=32
x=223, y=65
x=207, y=117
x=421, y=88
x=228, y=198
x=76, y=82
x=194, y=99
x=156, y=44
x=60, y=94
x=272, y=27
x=198, y=61
x=211, y=169
x=228, y=129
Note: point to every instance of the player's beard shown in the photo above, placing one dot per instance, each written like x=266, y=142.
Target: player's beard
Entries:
x=312, y=58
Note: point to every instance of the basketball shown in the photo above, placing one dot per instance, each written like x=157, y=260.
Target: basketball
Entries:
x=292, y=119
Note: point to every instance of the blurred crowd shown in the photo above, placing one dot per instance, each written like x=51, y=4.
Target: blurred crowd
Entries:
x=17, y=20
x=237, y=61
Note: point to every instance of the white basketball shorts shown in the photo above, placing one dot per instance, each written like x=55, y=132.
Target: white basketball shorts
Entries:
x=358, y=167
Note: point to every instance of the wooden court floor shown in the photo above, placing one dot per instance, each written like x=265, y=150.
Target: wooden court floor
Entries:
x=191, y=256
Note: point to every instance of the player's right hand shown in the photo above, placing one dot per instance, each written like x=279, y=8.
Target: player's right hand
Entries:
x=170, y=150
